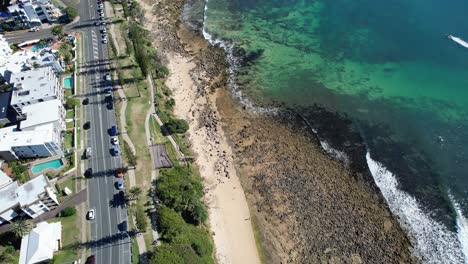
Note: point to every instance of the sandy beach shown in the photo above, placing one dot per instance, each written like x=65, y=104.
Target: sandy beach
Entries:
x=306, y=206
x=229, y=216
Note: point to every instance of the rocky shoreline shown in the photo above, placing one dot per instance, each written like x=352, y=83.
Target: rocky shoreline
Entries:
x=306, y=206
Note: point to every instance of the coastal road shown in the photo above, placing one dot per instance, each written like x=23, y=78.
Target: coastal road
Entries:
x=25, y=35
x=110, y=243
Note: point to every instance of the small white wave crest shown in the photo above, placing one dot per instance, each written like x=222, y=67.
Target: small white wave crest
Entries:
x=339, y=155
x=433, y=242
x=462, y=227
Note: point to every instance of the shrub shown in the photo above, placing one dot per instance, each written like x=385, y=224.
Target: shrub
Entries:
x=57, y=30
x=71, y=13
x=177, y=126
x=170, y=103
x=170, y=223
x=71, y=103
x=69, y=211
x=141, y=219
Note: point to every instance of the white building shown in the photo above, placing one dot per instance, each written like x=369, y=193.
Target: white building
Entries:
x=4, y=179
x=5, y=51
x=48, y=112
x=31, y=199
x=34, y=86
x=43, y=141
x=39, y=245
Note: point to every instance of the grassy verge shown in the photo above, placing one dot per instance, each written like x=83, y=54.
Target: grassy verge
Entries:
x=70, y=237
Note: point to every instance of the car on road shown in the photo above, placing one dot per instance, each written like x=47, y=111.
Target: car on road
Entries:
x=86, y=125
x=119, y=184
x=103, y=23
x=119, y=173
x=104, y=41
x=88, y=152
x=91, y=214
x=88, y=173
x=104, y=30
x=116, y=150
x=97, y=23
x=113, y=131
x=91, y=260
x=33, y=29
x=110, y=106
x=107, y=77
x=115, y=140
x=86, y=101
x=108, y=90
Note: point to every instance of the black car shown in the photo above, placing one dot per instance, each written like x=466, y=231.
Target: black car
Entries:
x=87, y=125
x=91, y=260
x=89, y=173
x=110, y=106
x=86, y=101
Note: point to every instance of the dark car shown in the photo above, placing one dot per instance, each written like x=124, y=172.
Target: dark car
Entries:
x=110, y=106
x=113, y=131
x=119, y=184
x=86, y=101
x=89, y=173
x=91, y=260
x=116, y=150
x=87, y=125
x=109, y=99
x=108, y=90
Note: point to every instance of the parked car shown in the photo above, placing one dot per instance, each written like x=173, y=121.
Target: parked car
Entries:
x=91, y=214
x=88, y=173
x=88, y=152
x=107, y=77
x=86, y=101
x=108, y=90
x=116, y=150
x=86, y=125
x=104, y=41
x=119, y=173
x=33, y=29
x=113, y=131
x=91, y=260
x=119, y=184
x=115, y=140
x=110, y=106
x=104, y=30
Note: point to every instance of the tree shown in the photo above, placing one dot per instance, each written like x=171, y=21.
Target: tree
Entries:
x=69, y=211
x=170, y=103
x=71, y=13
x=170, y=223
x=21, y=227
x=8, y=255
x=133, y=193
x=57, y=30
x=71, y=103
x=177, y=126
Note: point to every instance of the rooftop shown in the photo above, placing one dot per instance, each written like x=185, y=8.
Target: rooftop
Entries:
x=33, y=84
x=4, y=179
x=41, y=113
x=14, y=194
x=41, y=243
x=10, y=137
x=5, y=98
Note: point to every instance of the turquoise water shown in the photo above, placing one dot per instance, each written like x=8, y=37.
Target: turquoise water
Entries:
x=390, y=69
x=68, y=82
x=38, y=47
x=53, y=164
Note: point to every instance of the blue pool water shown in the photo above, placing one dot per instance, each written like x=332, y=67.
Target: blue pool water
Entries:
x=68, y=83
x=53, y=164
x=38, y=47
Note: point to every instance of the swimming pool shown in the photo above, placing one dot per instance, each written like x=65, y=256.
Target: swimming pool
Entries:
x=68, y=82
x=38, y=47
x=52, y=164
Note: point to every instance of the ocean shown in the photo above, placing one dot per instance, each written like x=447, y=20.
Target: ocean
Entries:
x=389, y=69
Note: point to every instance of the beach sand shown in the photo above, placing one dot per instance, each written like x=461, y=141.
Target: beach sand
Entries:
x=306, y=207
x=229, y=216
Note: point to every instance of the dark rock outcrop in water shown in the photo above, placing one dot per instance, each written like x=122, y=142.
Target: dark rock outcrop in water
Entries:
x=306, y=206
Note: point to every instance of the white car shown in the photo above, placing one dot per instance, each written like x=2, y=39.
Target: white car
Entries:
x=34, y=29
x=88, y=152
x=104, y=41
x=115, y=140
x=91, y=214
x=107, y=77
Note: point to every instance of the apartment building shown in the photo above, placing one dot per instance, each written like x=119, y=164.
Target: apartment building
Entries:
x=31, y=199
x=34, y=86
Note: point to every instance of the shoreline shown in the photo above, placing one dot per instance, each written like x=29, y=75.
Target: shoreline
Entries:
x=306, y=206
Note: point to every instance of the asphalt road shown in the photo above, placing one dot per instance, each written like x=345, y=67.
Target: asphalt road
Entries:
x=22, y=36
x=109, y=242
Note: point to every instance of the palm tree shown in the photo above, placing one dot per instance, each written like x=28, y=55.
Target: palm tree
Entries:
x=22, y=227
x=133, y=193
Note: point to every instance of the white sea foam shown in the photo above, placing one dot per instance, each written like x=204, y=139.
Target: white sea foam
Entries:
x=340, y=155
x=234, y=65
x=433, y=242
x=459, y=41
x=462, y=228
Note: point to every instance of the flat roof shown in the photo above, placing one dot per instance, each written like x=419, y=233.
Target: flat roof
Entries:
x=33, y=84
x=41, y=113
x=10, y=138
x=28, y=193
x=4, y=179
x=8, y=196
